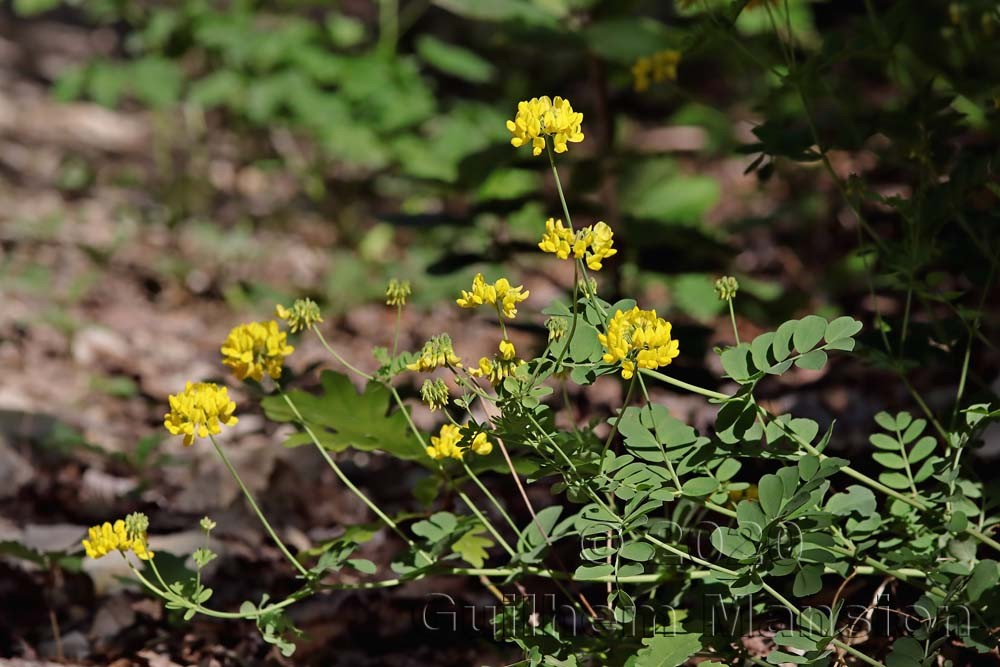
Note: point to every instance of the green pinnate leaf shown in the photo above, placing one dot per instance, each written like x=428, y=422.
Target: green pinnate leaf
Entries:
x=592, y=572
x=886, y=421
x=736, y=544
x=912, y=431
x=771, y=491
x=855, y=499
x=759, y=349
x=736, y=362
x=890, y=460
x=808, y=581
x=699, y=487
x=667, y=650
x=808, y=332
x=985, y=576
x=812, y=361
x=781, y=345
x=638, y=551
x=922, y=449
x=883, y=441
x=895, y=480
x=841, y=328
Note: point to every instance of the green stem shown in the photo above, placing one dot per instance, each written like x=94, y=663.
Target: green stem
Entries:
x=336, y=355
x=732, y=318
x=395, y=333
x=805, y=619
x=983, y=537
x=614, y=427
x=491, y=497
x=420, y=438
x=166, y=594
x=666, y=459
x=260, y=515
x=486, y=523
x=924, y=407
x=906, y=317
x=695, y=389
x=406, y=414
x=349, y=484
x=559, y=187
x=905, y=575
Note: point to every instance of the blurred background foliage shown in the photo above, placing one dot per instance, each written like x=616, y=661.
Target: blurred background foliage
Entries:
x=388, y=119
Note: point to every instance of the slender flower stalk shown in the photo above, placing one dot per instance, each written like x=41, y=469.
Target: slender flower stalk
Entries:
x=256, y=509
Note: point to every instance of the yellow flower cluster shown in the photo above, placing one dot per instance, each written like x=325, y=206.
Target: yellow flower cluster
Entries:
x=303, y=314
x=594, y=244
x=256, y=348
x=105, y=538
x=200, y=410
x=541, y=117
x=500, y=366
x=500, y=294
x=447, y=444
x=436, y=353
x=657, y=68
x=638, y=339
x=396, y=292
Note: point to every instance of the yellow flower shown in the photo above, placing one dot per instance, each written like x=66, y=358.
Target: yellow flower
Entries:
x=447, y=444
x=107, y=537
x=593, y=244
x=507, y=351
x=601, y=246
x=436, y=353
x=508, y=297
x=582, y=242
x=501, y=294
x=481, y=444
x=641, y=70
x=482, y=293
x=638, y=339
x=496, y=369
x=200, y=410
x=556, y=238
x=541, y=117
x=303, y=314
x=665, y=65
x=657, y=68
x=503, y=364
x=256, y=348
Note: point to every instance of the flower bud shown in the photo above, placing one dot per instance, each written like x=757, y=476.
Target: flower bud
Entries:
x=396, y=292
x=726, y=288
x=434, y=393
